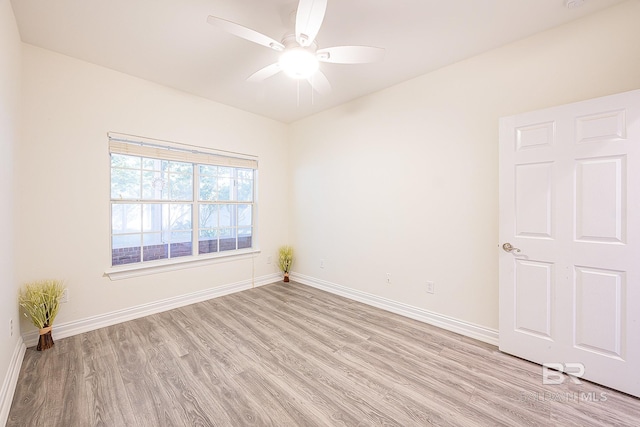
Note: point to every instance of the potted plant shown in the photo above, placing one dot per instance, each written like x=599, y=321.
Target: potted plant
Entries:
x=285, y=259
x=41, y=301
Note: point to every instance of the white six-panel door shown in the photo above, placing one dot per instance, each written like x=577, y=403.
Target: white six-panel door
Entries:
x=570, y=202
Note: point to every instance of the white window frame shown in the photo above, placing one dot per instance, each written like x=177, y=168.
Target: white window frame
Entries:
x=165, y=150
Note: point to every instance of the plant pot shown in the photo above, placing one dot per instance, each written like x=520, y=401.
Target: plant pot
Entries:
x=45, y=341
x=286, y=277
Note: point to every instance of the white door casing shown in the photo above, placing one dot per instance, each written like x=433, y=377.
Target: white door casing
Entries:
x=570, y=201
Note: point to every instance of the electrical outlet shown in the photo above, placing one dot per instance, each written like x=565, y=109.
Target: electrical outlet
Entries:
x=431, y=288
x=269, y=259
x=321, y=263
x=65, y=296
x=389, y=278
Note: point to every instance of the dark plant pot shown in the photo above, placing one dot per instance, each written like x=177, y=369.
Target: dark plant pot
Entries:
x=45, y=341
x=286, y=277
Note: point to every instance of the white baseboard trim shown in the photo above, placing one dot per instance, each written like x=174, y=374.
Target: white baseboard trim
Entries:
x=76, y=327
x=461, y=327
x=11, y=380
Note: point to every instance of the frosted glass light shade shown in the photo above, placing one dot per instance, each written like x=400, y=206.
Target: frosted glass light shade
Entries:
x=298, y=63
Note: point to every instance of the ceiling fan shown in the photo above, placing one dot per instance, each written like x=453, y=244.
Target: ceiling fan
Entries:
x=299, y=53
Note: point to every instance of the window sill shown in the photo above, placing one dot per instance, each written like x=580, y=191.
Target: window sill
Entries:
x=154, y=267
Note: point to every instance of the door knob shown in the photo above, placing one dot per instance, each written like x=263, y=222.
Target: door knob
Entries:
x=508, y=247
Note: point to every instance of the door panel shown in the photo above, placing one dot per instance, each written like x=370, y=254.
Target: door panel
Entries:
x=534, y=290
x=533, y=200
x=570, y=201
x=599, y=317
x=601, y=127
x=600, y=199
x=535, y=136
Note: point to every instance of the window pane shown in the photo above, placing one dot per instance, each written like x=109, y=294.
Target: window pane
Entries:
x=122, y=161
x=180, y=244
x=208, y=234
x=208, y=188
x=180, y=236
x=180, y=186
x=226, y=233
x=224, y=189
x=208, y=170
x=227, y=239
x=180, y=167
x=152, y=217
x=126, y=241
x=245, y=173
x=208, y=216
x=227, y=216
x=245, y=190
x=154, y=185
x=125, y=249
x=152, y=239
x=207, y=241
x=125, y=218
x=154, y=248
x=244, y=237
x=125, y=183
x=164, y=227
x=153, y=164
x=244, y=215
x=222, y=171
x=180, y=217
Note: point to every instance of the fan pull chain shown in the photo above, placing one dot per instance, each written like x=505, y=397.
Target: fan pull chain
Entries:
x=312, y=94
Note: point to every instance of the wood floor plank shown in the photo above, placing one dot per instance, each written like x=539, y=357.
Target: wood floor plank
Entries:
x=29, y=401
x=70, y=381
x=190, y=404
x=148, y=398
x=105, y=395
x=293, y=355
x=285, y=405
x=316, y=330
x=315, y=351
x=366, y=321
x=432, y=395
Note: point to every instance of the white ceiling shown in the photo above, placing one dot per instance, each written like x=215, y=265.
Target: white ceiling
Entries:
x=170, y=42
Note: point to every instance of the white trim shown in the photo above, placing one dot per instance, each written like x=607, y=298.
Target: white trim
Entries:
x=461, y=327
x=96, y=322
x=11, y=380
x=127, y=271
x=189, y=148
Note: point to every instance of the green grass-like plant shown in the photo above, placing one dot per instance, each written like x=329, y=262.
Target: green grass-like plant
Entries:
x=41, y=301
x=285, y=258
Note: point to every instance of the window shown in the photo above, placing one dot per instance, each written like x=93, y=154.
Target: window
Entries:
x=165, y=198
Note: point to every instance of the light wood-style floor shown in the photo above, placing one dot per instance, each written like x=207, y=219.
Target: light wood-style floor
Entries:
x=291, y=355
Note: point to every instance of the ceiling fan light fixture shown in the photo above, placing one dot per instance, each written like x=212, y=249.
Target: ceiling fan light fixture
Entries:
x=298, y=63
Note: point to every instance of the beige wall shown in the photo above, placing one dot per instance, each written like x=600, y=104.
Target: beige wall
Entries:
x=9, y=124
x=68, y=108
x=405, y=181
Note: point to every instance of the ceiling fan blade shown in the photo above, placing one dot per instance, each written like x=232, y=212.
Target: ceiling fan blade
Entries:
x=264, y=73
x=350, y=54
x=308, y=20
x=245, y=33
x=320, y=83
